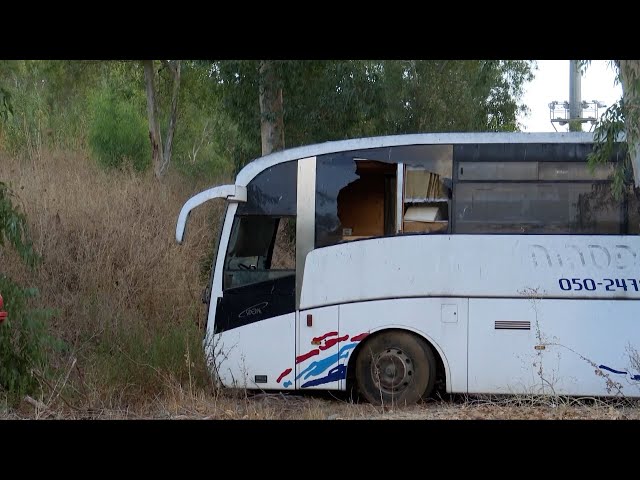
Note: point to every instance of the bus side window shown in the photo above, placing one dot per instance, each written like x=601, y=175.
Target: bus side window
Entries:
x=261, y=248
x=355, y=198
x=426, y=201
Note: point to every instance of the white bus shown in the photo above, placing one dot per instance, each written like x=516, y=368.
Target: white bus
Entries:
x=479, y=263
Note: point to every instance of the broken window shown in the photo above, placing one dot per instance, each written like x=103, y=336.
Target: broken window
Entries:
x=355, y=198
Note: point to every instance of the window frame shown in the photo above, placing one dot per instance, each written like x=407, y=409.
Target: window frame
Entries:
x=264, y=272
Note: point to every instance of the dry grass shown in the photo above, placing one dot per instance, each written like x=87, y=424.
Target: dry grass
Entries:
x=127, y=296
x=180, y=404
x=110, y=237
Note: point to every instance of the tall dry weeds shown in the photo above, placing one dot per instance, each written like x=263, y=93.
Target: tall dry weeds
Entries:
x=127, y=296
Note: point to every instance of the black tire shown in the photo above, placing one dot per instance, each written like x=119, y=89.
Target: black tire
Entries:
x=395, y=368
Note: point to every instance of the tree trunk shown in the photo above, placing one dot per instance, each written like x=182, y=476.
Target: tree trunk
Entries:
x=152, y=112
x=161, y=155
x=175, y=71
x=271, y=108
x=630, y=79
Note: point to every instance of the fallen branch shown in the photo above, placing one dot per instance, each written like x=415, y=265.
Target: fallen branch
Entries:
x=36, y=403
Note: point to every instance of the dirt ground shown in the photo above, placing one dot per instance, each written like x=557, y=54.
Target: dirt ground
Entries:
x=324, y=406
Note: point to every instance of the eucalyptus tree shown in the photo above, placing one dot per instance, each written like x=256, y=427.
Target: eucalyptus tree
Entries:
x=310, y=101
x=623, y=117
x=161, y=153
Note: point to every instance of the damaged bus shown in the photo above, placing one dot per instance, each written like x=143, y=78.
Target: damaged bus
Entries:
x=479, y=263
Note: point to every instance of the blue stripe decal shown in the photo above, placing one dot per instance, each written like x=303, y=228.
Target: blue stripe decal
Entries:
x=335, y=374
x=604, y=367
x=317, y=367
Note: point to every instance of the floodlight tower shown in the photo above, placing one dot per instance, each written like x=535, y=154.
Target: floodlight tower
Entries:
x=575, y=112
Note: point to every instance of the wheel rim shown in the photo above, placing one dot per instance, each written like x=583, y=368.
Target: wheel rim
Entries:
x=392, y=371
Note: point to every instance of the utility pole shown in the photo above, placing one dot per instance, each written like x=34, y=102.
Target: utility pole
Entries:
x=575, y=97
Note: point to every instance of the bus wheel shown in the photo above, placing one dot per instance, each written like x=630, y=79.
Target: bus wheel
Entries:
x=395, y=367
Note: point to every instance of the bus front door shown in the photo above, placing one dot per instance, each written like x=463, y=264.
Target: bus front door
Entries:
x=256, y=312
x=317, y=353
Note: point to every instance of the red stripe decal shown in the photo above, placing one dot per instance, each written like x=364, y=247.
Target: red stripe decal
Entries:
x=283, y=374
x=357, y=338
x=331, y=342
x=319, y=339
x=310, y=354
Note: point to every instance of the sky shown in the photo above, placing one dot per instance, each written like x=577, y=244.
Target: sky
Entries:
x=551, y=83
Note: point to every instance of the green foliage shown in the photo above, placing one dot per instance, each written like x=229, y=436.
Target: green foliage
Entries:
x=620, y=123
x=50, y=100
x=25, y=345
x=5, y=104
x=118, y=132
x=5, y=95
x=24, y=342
x=606, y=135
x=13, y=228
x=23, y=130
x=333, y=100
x=101, y=105
x=205, y=144
x=502, y=86
x=206, y=137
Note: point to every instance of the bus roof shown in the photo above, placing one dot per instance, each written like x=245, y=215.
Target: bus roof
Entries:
x=253, y=168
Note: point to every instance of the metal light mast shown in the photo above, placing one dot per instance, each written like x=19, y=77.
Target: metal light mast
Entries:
x=575, y=112
x=575, y=97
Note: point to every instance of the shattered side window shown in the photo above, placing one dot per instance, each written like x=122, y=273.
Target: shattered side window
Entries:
x=355, y=198
x=333, y=173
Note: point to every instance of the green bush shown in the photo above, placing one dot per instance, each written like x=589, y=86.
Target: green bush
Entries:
x=24, y=342
x=118, y=131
